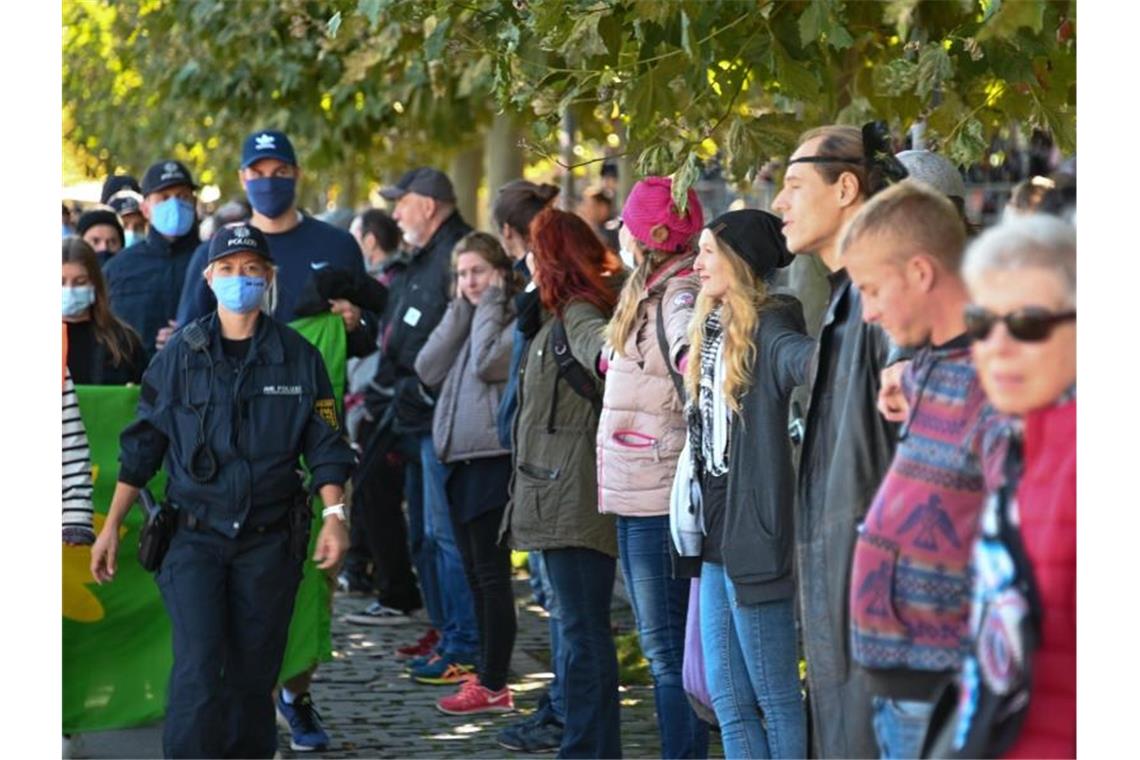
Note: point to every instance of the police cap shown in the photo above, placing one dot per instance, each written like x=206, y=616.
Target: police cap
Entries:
x=237, y=237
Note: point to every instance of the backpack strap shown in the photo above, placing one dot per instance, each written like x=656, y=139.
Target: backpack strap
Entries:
x=570, y=370
x=663, y=344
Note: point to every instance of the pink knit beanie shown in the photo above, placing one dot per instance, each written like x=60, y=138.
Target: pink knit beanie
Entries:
x=651, y=203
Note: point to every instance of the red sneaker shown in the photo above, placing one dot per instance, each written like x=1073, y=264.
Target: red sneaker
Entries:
x=473, y=698
x=423, y=647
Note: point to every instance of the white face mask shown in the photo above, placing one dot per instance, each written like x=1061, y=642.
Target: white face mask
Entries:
x=627, y=258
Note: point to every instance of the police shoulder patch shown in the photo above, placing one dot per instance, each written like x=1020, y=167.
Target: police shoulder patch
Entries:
x=326, y=408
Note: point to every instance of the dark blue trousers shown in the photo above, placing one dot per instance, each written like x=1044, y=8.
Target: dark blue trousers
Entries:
x=230, y=601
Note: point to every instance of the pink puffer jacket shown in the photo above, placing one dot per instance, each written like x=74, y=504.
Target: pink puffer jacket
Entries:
x=642, y=427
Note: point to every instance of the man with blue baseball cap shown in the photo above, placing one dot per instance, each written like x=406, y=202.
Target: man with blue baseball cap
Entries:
x=144, y=280
x=301, y=244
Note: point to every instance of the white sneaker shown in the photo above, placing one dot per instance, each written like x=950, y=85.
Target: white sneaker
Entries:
x=378, y=614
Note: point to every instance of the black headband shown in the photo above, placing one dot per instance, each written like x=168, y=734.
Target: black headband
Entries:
x=876, y=155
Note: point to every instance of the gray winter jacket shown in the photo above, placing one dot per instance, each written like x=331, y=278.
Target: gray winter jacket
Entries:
x=847, y=449
x=469, y=352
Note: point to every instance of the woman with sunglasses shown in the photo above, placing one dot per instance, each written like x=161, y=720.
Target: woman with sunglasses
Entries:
x=1022, y=277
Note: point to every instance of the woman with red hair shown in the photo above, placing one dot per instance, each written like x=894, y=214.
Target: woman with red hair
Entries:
x=554, y=507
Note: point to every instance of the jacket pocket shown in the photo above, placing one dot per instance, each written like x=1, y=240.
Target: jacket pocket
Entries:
x=765, y=553
x=874, y=618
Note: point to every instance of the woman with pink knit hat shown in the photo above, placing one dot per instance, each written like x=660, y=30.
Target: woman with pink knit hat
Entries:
x=641, y=434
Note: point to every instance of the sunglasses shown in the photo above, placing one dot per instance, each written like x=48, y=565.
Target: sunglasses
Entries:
x=1029, y=325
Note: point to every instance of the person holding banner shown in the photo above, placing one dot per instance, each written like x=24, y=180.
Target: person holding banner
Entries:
x=229, y=407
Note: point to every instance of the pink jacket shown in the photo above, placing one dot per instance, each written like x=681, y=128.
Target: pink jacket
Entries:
x=642, y=428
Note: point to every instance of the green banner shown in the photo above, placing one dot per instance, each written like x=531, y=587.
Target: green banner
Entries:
x=310, y=630
x=116, y=637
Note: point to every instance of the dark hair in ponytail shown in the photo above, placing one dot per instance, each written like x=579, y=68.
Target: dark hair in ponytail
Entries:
x=518, y=203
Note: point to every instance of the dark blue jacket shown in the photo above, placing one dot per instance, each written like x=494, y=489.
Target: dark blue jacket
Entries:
x=259, y=418
x=296, y=253
x=145, y=280
x=509, y=403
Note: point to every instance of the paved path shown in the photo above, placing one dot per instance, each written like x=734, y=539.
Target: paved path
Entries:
x=371, y=707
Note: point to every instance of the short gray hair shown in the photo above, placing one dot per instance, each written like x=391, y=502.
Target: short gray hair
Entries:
x=1037, y=241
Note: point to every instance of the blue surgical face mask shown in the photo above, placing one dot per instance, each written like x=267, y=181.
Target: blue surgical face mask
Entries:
x=271, y=196
x=240, y=294
x=130, y=237
x=173, y=217
x=77, y=300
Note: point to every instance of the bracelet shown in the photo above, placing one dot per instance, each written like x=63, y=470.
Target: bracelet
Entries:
x=334, y=509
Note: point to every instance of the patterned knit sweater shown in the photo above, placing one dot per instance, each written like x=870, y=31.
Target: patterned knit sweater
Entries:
x=910, y=592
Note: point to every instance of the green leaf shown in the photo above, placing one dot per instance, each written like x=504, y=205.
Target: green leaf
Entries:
x=687, y=43
x=333, y=25
x=968, y=145
x=1011, y=16
x=433, y=45
x=900, y=14
x=654, y=161
x=584, y=39
x=812, y=22
x=370, y=9
x=684, y=178
x=934, y=66
x=795, y=79
x=896, y=78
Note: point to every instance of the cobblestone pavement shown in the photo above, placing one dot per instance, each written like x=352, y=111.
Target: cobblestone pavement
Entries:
x=371, y=707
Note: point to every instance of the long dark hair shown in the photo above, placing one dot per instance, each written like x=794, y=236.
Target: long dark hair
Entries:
x=115, y=334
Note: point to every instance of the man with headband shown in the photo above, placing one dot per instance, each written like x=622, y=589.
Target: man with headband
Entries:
x=847, y=446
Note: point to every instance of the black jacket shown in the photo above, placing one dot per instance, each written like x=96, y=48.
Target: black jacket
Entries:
x=757, y=545
x=144, y=282
x=418, y=297
x=258, y=419
x=847, y=449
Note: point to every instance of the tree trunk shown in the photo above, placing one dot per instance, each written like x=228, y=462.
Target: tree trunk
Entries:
x=504, y=161
x=566, y=199
x=466, y=174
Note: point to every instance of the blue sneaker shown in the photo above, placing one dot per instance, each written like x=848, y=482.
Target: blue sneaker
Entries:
x=304, y=721
x=444, y=669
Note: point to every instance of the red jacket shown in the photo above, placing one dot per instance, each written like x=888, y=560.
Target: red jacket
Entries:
x=1047, y=503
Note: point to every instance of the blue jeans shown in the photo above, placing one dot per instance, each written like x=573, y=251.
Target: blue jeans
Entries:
x=659, y=605
x=459, y=636
x=900, y=726
x=422, y=551
x=583, y=581
x=550, y=602
x=750, y=662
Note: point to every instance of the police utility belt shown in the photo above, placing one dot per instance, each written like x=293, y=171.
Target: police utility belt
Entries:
x=162, y=520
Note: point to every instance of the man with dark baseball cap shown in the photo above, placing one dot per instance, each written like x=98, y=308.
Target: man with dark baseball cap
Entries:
x=431, y=224
x=145, y=279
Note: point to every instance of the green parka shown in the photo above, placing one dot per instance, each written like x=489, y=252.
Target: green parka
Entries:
x=554, y=489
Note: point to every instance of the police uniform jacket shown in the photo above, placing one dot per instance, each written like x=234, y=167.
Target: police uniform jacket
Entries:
x=145, y=280
x=260, y=417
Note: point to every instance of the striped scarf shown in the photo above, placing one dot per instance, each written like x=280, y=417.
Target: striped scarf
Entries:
x=77, y=486
x=712, y=409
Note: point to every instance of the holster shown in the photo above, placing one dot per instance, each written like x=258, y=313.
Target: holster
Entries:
x=157, y=529
x=300, y=525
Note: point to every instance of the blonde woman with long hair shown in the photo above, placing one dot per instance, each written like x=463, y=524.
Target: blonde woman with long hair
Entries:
x=641, y=433
x=748, y=351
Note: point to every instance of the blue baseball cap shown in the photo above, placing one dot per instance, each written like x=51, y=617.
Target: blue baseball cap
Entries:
x=237, y=237
x=267, y=143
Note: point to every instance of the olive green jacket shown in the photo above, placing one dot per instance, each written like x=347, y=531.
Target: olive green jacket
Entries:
x=554, y=489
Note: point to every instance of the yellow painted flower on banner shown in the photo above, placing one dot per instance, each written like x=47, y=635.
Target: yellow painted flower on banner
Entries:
x=79, y=602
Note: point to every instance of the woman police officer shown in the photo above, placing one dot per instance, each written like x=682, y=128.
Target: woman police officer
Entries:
x=229, y=406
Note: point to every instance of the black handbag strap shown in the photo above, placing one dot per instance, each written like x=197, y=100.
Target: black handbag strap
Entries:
x=663, y=344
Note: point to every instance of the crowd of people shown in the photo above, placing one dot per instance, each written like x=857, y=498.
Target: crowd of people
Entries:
x=610, y=395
